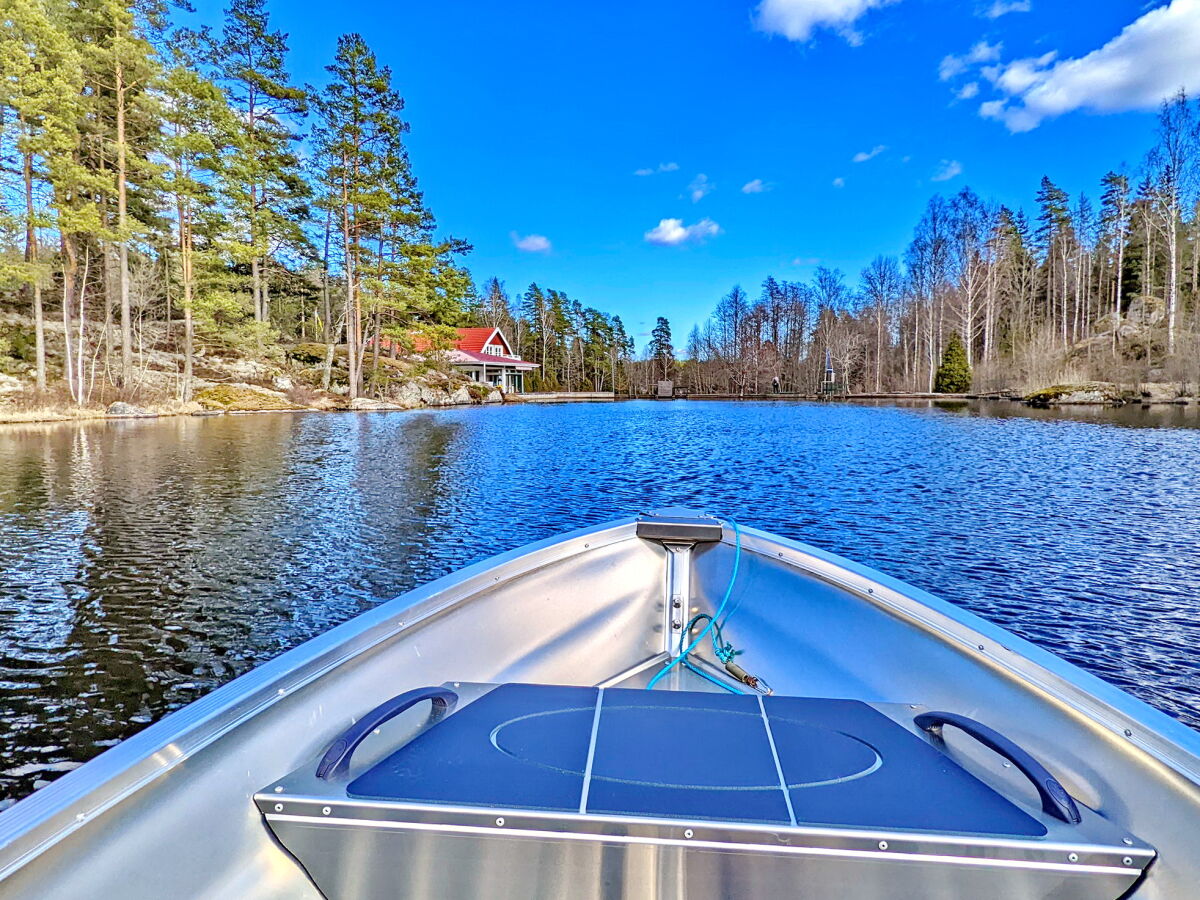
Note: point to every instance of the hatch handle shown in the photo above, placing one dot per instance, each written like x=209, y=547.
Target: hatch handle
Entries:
x=1055, y=799
x=336, y=760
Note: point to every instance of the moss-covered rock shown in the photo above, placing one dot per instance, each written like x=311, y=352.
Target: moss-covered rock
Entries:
x=1093, y=392
x=242, y=398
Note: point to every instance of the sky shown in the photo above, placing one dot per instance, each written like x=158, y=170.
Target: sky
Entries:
x=646, y=155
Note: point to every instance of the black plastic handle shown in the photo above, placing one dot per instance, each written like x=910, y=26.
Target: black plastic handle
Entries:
x=336, y=760
x=1055, y=799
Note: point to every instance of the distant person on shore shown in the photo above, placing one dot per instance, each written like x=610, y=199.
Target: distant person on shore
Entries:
x=775, y=385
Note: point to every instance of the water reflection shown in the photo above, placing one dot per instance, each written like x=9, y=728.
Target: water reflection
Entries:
x=144, y=563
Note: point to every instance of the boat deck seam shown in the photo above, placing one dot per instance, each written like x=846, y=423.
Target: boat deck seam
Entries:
x=591, y=757
x=787, y=798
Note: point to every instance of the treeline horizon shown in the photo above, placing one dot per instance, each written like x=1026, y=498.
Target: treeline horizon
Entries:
x=172, y=188
x=1084, y=290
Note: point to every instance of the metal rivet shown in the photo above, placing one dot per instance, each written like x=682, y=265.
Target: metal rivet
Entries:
x=1127, y=841
x=458, y=684
x=279, y=788
x=688, y=834
x=780, y=555
x=1128, y=733
x=1127, y=861
x=281, y=692
x=981, y=646
x=1007, y=764
x=913, y=706
x=278, y=807
x=1074, y=857
x=883, y=845
x=500, y=821
x=325, y=810
x=870, y=590
x=79, y=817
x=585, y=546
x=676, y=624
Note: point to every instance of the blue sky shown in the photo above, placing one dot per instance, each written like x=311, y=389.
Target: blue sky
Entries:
x=530, y=119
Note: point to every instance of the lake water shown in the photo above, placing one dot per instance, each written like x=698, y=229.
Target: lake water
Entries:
x=144, y=563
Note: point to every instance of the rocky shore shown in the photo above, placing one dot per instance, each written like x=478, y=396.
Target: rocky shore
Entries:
x=297, y=380
x=1107, y=393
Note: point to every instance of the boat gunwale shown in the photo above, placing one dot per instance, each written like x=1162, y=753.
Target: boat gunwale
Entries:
x=48, y=816
x=1160, y=736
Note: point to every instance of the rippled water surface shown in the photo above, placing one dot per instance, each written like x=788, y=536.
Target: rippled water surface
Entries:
x=144, y=563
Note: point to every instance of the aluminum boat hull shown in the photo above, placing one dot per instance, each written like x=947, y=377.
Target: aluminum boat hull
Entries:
x=171, y=812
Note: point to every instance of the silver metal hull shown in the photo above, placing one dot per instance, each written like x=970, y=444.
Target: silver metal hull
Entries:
x=171, y=812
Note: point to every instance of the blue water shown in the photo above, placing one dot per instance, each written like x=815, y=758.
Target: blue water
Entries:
x=144, y=563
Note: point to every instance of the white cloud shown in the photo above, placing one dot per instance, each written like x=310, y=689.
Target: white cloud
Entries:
x=839, y=182
x=952, y=66
x=1004, y=7
x=796, y=20
x=948, y=169
x=805, y=261
x=757, y=186
x=672, y=232
x=662, y=167
x=865, y=155
x=532, y=243
x=700, y=188
x=968, y=90
x=1148, y=61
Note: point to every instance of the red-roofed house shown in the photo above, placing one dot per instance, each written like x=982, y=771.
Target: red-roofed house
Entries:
x=485, y=355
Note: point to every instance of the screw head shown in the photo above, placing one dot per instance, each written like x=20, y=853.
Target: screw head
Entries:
x=279, y=788
x=688, y=834
x=1127, y=861
x=1073, y=857
x=1127, y=841
x=278, y=807
x=500, y=821
x=325, y=810
x=883, y=845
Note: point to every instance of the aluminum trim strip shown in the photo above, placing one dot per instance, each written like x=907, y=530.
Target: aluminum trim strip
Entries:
x=730, y=834
x=850, y=853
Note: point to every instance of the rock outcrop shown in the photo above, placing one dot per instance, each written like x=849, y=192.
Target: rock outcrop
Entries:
x=243, y=398
x=1090, y=393
x=127, y=410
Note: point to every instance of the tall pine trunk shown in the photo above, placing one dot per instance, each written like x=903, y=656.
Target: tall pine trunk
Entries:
x=123, y=235
x=35, y=283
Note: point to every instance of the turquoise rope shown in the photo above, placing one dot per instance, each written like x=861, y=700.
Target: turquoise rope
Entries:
x=737, y=561
x=717, y=681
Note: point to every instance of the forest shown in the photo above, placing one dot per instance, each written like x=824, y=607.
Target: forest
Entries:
x=170, y=195
x=1085, y=289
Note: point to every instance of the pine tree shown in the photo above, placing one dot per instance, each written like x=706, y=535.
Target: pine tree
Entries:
x=199, y=129
x=954, y=374
x=39, y=83
x=662, y=351
x=120, y=66
x=267, y=187
x=360, y=140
